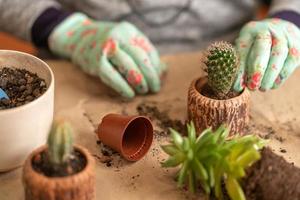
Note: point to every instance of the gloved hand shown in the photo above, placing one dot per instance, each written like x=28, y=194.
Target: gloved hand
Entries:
x=269, y=52
x=118, y=53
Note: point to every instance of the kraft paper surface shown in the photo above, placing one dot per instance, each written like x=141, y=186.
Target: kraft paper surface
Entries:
x=84, y=100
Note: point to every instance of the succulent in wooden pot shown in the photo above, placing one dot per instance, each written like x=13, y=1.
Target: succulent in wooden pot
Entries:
x=211, y=100
x=59, y=170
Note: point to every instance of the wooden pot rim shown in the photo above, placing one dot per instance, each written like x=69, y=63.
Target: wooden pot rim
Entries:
x=30, y=172
x=203, y=80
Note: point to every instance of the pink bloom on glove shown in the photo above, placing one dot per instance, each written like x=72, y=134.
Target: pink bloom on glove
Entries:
x=278, y=80
x=87, y=22
x=294, y=52
x=88, y=32
x=133, y=77
x=109, y=47
x=70, y=33
x=274, y=41
x=141, y=42
x=255, y=80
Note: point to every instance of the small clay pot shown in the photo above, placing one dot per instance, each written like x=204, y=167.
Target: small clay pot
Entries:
x=207, y=112
x=80, y=186
x=131, y=136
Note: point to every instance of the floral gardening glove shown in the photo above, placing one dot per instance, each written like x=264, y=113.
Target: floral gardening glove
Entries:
x=269, y=52
x=118, y=53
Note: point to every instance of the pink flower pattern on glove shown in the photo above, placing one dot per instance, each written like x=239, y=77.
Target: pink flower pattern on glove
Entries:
x=118, y=53
x=109, y=47
x=141, y=42
x=268, y=52
x=134, y=77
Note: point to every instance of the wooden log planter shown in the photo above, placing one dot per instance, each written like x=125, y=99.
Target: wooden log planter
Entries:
x=208, y=112
x=78, y=186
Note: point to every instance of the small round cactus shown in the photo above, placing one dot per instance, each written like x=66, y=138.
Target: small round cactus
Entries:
x=60, y=143
x=221, y=67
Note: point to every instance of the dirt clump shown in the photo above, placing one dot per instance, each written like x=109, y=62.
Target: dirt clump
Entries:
x=164, y=121
x=272, y=178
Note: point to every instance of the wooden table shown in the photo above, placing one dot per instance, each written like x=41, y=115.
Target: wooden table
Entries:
x=84, y=101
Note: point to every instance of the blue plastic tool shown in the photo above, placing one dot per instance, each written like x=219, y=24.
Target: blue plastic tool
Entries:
x=3, y=94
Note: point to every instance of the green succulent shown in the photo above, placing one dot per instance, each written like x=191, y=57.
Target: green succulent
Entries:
x=221, y=65
x=60, y=143
x=211, y=158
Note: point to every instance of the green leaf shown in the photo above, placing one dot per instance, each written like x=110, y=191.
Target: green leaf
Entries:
x=192, y=183
x=204, y=134
x=199, y=169
x=209, y=147
x=203, y=139
x=190, y=155
x=186, y=144
x=211, y=176
x=182, y=174
x=234, y=189
x=224, y=151
x=205, y=187
x=236, y=171
x=261, y=143
x=176, y=137
x=170, y=149
x=220, y=131
x=173, y=161
x=210, y=158
x=191, y=132
x=238, y=148
x=224, y=133
x=247, y=158
x=218, y=183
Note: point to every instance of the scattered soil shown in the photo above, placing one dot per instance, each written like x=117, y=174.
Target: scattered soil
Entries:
x=272, y=178
x=135, y=177
x=263, y=131
x=21, y=86
x=41, y=164
x=109, y=157
x=282, y=150
x=164, y=120
x=206, y=91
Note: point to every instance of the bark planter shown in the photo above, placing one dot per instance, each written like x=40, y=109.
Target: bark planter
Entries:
x=79, y=186
x=207, y=112
x=131, y=136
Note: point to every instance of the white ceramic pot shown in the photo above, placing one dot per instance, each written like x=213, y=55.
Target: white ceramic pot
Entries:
x=24, y=128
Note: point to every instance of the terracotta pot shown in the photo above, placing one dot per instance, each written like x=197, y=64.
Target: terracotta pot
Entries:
x=207, y=112
x=131, y=136
x=79, y=186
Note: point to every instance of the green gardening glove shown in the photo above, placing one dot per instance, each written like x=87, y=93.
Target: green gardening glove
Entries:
x=118, y=53
x=269, y=52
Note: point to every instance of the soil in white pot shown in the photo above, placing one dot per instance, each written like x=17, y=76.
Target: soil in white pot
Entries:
x=21, y=86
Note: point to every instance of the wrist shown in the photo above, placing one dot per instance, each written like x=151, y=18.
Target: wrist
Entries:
x=288, y=15
x=44, y=25
x=59, y=39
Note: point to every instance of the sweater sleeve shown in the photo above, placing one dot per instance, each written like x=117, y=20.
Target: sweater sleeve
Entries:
x=18, y=16
x=285, y=5
x=288, y=10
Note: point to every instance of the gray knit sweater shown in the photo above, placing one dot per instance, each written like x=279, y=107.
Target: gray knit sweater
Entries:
x=168, y=21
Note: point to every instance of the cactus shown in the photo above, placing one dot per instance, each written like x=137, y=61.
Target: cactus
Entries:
x=221, y=65
x=211, y=158
x=60, y=143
